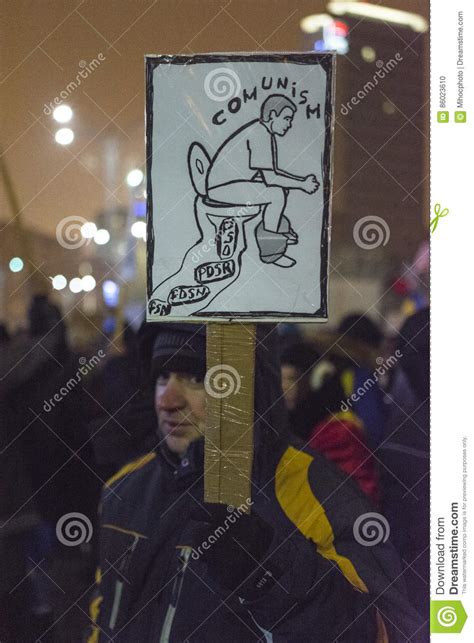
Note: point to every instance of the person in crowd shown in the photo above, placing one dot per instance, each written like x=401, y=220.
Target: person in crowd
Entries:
x=174, y=568
x=48, y=394
x=314, y=397
x=47, y=410
x=360, y=341
x=18, y=512
x=123, y=426
x=406, y=457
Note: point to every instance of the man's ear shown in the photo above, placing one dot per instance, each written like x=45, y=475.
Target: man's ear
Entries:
x=272, y=114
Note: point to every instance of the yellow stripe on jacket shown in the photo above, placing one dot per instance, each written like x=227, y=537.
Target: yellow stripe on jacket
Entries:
x=131, y=467
x=301, y=506
x=94, y=609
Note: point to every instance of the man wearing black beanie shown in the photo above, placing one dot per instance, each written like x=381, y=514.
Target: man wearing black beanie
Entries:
x=297, y=567
x=178, y=367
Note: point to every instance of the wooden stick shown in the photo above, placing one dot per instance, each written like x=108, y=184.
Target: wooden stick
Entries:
x=230, y=413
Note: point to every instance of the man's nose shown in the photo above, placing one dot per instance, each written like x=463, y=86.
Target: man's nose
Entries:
x=171, y=396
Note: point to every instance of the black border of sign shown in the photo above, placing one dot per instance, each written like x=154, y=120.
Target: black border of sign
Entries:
x=328, y=63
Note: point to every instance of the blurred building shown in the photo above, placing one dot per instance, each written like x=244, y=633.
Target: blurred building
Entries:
x=381, y=156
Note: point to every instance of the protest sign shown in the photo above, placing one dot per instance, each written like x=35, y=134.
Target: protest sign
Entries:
x=238, y=186
x=238, y=205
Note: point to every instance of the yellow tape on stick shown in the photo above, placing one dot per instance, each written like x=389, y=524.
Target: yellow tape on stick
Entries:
x=230, y=413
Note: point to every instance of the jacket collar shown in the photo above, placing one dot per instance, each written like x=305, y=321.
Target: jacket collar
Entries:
x=191, y=463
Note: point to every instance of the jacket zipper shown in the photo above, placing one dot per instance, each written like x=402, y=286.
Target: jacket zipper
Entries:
x=185, y=553
x=119, y=583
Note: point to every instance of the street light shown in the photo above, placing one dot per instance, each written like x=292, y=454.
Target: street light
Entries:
x=59, y=282
x=88, y=230
x=138, y=230
x=88, y=283
x=64, y=136
x=16, y=264
x=102, y=237
x=75, y=285
x=134, y=178
x=62, y=114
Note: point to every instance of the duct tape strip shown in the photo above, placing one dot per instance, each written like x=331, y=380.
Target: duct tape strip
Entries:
x=230, y=413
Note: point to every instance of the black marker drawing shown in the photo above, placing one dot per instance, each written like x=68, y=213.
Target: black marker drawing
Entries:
x=241, y=182
x=244, y=171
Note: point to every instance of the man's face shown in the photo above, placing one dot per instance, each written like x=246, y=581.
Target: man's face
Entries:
x=281, y=124
x=180, y=404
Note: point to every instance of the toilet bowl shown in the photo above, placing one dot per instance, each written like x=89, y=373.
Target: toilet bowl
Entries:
x=214, y=262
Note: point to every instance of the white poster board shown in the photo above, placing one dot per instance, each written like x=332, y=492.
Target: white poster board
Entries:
x=239, y=181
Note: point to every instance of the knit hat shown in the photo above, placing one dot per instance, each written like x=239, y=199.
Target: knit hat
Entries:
x=180, y=348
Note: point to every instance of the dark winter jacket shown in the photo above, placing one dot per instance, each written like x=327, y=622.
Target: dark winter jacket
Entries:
x=406, y=458
x=333, y=584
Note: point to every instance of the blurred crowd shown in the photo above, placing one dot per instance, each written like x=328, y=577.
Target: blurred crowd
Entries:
x=70, y=421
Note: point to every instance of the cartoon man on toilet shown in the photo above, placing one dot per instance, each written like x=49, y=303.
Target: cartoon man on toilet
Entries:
x=244, y=171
